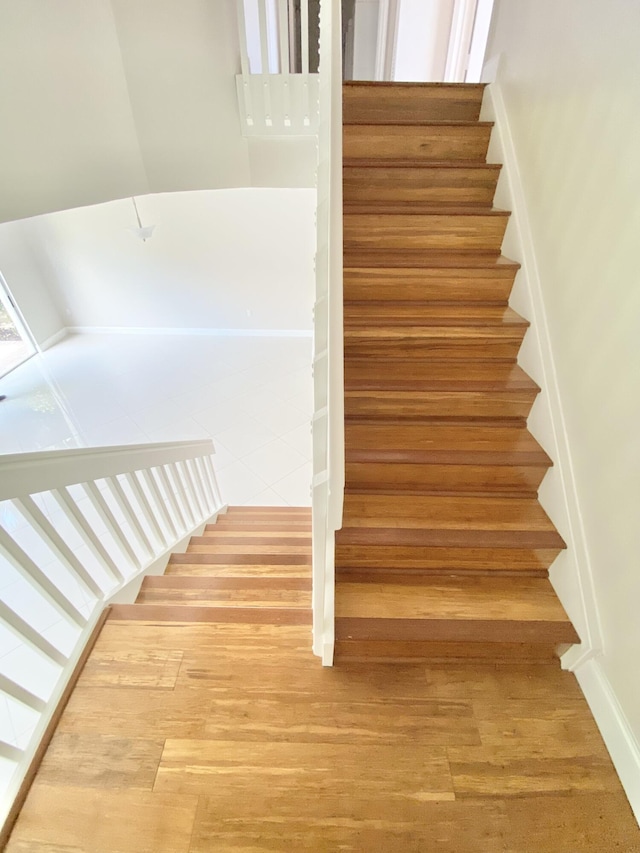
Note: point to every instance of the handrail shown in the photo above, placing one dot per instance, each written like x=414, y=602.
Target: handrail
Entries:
x=78, y=529
x=328, y=421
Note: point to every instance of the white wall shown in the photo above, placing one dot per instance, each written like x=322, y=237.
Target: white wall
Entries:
x=570, y=77
x=225, y=259
x=68, y=136
x=365, y=39
x=422, y=39
x=28, y=274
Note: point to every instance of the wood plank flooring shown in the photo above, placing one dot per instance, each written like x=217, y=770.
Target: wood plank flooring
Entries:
x=187, y=737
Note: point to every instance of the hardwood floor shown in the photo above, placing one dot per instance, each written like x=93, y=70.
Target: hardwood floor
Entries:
x=190, y=733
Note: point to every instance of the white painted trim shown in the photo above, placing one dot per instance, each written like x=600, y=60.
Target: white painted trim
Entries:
x=382, y=39
x=579, y=562
x=459, y=40
x=214, y=333
x=60, y=335
x=614, y=728
x=479, y=39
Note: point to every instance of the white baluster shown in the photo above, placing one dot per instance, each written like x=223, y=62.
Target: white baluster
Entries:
x=104, y=511
x=117, y=493
x=21, y=695
x=158, y=500
x=29, y=635
x=163, y=473
x=145, y=506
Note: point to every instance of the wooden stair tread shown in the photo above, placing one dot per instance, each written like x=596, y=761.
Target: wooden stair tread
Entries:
x=373, y=257
x=460, y=444
x=372, y=101
x=226, y=597
x=426, y=314
x=195, y=613
x=439, y=514
x=485, y=599
x=161, y=582
x=419, y=208
x=239, y=559
x=412, y=374
x=407, y=163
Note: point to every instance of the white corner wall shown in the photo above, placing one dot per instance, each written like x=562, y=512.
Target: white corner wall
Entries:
x=218, y=260
x=25, y=266
x=570, y=82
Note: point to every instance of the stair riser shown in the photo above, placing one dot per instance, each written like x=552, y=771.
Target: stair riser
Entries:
x=430, y=185
x=456, y=349
x=467, y=286
x=472, y=232
x=437, y=142
x=246, y=570
x=453, y=630
x=439, y=404
x=369, y=476
x=362, y=103
x=430, y=560
x=413, y=652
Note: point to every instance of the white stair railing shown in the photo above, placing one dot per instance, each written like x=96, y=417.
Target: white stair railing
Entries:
x=277, y=89
x=79, y=529
x=328, y=382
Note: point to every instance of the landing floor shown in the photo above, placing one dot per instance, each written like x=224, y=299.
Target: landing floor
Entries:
x=231, y=737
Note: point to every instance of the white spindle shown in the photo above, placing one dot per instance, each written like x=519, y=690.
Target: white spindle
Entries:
x=104, y=511
x=196, y=487
x=283, y=36
x=38, y=520
x=304, y=35
x=158, y=500
x=183, y=474
x=264, y=39
x=68, y=505
x=181, y=494
x=145, y=506
x=29, y=635
x=214, y=482
x=117, y=493
x=167, y=483
x=242, y=32
x=206, y=485
x=31, y=572
x=21, y=695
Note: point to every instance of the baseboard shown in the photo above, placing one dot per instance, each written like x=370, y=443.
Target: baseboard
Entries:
x=614, y=728
x=53, y=339
x=572, y=574
x=205, y=332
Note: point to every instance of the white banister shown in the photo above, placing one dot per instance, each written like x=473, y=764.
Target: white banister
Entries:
x=328, y=383
x=78, y=528
x=274, y=97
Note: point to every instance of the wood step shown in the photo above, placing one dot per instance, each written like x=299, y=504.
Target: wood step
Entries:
x=211, y=547
x=488, y=284
x=416, y=389
x=451, y=612
x=369, y=102
x=424, y=259
x=437, y=534
x=194, y=613
x=435, y=141
x=226, y=592
x=234, y=536
x=432, y=457
x=418, y=330
x=393, y=181
x=460, y=230
x=253, y=525
x=240, y=565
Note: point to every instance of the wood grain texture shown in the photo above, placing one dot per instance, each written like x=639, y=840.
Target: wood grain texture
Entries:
x=378, y=181
x=489, y=284
x=441, y=476
x=259, y=748
x=437, y=141
x=471, y=231
x=406, y=102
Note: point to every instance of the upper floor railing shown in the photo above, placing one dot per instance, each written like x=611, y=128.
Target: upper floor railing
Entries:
x=278, y=85
x=79, y=529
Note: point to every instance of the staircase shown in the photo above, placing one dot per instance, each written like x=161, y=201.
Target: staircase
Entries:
x=445, y=550
x=253, y=565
